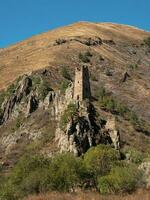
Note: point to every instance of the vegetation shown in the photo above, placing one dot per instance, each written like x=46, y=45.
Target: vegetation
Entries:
x=147, y=41
x=108, y=72
x=71, y=111
x=8, y=93
x=18, y=123
x=36, y=174
x=65, y=72
x=42, y=86
x=85, y=57
x=100, y=168
x=133, y=66
x=135, y=156
x=120, y=179
x=109, y=103
x=43, y=89
x=64, y=85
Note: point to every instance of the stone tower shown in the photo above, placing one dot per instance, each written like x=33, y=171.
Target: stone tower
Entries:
x=82, y=84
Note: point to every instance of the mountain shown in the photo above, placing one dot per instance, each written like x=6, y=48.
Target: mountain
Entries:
x=33, y=71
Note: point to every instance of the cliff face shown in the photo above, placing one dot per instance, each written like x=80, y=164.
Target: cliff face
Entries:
x=33, y=105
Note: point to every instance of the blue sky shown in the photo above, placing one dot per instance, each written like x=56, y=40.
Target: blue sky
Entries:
x=20, y=19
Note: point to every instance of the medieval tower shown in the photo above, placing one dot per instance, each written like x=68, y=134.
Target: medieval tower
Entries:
x=82, y=84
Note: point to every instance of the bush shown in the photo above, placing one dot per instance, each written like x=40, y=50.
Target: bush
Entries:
x=64, y=85
x=27, y=177
x=67, y=172
x=7, y=192
x=109, y=103
x=135, y=156
x=120, y=179
x=147, y=41
x=84, y=57
x=43, y=89
x=18, y=123
x=65, y=72
x=36, y=174
x=99, y=160
x=71, y=111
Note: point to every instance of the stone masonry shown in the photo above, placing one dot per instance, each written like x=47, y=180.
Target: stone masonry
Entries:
x=82, y=89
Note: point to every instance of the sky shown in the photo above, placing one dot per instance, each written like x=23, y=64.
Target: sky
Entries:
x=21, y=19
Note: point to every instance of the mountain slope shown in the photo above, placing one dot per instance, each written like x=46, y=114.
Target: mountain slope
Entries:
x=38, y=52
x=118, y=61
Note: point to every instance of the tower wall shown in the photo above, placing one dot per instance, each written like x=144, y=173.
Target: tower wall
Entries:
x=82, y=84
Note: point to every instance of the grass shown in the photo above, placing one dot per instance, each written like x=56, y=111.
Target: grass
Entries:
x=110, y=104
x=87, y=195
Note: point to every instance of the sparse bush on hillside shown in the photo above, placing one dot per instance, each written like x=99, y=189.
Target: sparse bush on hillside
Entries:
x=43, y=89
x=85, y=57
x=64, y=85
x=18, y=123
x=133, y=66
x=108, y=72
x=71, y=111
x=109, y=103
x=93, y=77
x=65, y=72
x=120, y=179
x=135, y=156
x=42, y=86
x=147, y=41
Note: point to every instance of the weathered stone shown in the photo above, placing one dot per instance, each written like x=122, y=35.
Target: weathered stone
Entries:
x=82, y=85
x=145, y=167
x=22, y=90
x=32, y=104
x=113, y=132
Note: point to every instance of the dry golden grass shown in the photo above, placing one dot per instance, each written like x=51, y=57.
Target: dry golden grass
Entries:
x=38, y=52
x=139, y=195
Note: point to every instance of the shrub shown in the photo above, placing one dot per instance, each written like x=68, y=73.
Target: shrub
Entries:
x=147, y=41
x=109, y=103
x=26, y=165
x=36, y=174
x=43, y=89
x=27, y=177
x=93, y=77
x=71, y=111
x=100, y=159
x=65, y=72
x=120, y=179
x=18, y=123
x=134, y=155
x=108, y=72
x=133, y=66
x=88, y=54
x=67, y=172
x=7, y=192
x=64, y=85
x=84, y=57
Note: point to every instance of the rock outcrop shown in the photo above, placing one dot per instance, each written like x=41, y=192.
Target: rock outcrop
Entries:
x=145, y=166
x=80, y=129
x=22, y=90
x=113, y=132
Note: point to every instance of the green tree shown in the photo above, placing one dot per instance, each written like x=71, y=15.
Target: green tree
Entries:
x=121, y=179
x=100, y=159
